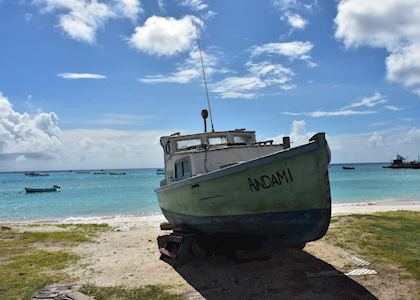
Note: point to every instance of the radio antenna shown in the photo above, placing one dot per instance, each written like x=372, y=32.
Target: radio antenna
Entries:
x=204, y=73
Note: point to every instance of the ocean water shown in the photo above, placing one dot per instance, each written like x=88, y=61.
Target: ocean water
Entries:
x=88, y=195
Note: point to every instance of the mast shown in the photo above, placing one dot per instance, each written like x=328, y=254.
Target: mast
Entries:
x=204, y=73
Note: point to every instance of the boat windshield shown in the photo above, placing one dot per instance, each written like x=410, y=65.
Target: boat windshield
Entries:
x=218, y=140
x=241, y=139
x=186, y=144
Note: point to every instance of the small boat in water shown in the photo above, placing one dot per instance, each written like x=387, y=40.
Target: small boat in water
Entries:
x=33, y=174
x=54, y=188
x=116, y=173
x=160, y=172
x=223, y=183
x=348, y=168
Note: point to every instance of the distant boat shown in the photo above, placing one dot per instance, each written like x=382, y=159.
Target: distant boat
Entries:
x=116, y=173
x=399, y=163
x=36, y=174
x=348, y=168
x=99, y=173
x=160, y=172
x=54, y=188
x=83, y=172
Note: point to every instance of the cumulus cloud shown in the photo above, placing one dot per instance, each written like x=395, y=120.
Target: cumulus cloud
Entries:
x=23, y=135
x=36, y=142
x=81, y=19
x=80, y=76
x=393, y=25
x=298, y=134
x=165, y=36
x=296, y=21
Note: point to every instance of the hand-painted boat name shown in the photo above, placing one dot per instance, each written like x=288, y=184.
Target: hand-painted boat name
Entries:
x=269, y=181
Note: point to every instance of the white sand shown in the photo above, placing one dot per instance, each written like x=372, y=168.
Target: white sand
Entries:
x=372, y=207
x=128, y=255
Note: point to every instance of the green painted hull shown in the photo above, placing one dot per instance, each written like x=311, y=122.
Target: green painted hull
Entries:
x=284, y=192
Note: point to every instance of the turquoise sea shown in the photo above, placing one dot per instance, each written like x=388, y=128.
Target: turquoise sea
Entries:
x=88, y=195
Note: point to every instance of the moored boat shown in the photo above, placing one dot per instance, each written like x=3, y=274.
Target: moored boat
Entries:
x=400, y=163
x=33, y=174
x=54, y=188
x=226, y=183
x=160, y=171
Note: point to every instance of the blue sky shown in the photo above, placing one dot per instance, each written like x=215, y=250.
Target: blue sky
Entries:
x=94, y=84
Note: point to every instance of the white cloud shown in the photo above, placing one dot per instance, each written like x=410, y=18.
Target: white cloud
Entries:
x=292, y=50
x=22, y=134
x=129, y=8
x=389, y=24
x=339, y=113
x=377, y=146
x=36, y=142
x=393, y=107
x=165, y=35
x=189, y=70
x=296, y=49
x=81, y=19
x=348, y=110
x=403, y=65
x=80, y=76
x=194, y=4
x=296, y=21
x=238, y=87
x=371, y=101
x=261, y=75
x=290, y=11
x=299, y=135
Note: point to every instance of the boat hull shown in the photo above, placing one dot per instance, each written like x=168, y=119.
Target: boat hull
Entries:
x=285, y=195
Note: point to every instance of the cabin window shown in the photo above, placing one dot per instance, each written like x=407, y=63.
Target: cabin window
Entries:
x=241, y=139
x=218, y=140
x=182, y=169
x=187, y=144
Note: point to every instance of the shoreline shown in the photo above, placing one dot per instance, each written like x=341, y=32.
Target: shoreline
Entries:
x=153, y=217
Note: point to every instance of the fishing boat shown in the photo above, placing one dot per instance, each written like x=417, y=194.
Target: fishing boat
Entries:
x=228, y=183
x=54, y=188
x=348, y=168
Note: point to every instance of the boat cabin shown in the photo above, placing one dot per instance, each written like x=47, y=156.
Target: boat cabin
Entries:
x=196, y=154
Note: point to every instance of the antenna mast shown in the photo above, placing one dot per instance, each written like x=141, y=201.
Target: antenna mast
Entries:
x=204, y=74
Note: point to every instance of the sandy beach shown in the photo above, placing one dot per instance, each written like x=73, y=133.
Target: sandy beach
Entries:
x=128, y=255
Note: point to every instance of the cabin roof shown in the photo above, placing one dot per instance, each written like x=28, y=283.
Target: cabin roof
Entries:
x=209, y=133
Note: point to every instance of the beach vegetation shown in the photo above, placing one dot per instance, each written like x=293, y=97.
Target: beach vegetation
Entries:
x=386, y=239
x=147, y=292
x=28, y=260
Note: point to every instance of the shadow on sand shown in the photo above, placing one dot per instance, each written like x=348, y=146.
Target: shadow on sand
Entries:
x=285, y=274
